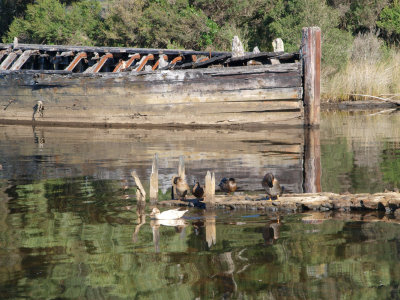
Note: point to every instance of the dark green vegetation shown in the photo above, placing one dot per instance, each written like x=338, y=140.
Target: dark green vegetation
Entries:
x=198, y=24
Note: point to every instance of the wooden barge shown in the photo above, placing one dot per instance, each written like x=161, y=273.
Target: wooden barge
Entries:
x=106, y=86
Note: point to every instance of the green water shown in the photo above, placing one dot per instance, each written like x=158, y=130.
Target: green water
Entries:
x=70, y=225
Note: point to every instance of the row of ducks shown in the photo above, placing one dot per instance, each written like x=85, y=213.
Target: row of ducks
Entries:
x=180, y=188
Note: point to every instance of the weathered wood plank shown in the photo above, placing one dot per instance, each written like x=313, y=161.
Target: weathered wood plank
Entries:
x=8, y=61
x=311, y=55
x=65, y=48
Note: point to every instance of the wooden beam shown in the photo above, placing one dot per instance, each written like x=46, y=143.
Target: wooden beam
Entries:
x=122, y=65
x=311, y=56
x=101, y=63
x=8, y=61
x=144, y=61
x=22, y=59
x=165, y=57
x=181, y=167
x=209, y=191
x=76, y=60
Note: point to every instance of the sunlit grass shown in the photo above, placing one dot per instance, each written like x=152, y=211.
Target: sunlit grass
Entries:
x=372, y=70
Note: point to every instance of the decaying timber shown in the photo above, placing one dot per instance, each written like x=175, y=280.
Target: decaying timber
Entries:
x=267, y=94
x=387, y=202
x=111, y=86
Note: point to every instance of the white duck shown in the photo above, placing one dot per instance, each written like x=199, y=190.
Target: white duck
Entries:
x=171, y=214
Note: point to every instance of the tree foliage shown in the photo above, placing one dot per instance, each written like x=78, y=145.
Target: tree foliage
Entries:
x=202, y=24
x=51, y=22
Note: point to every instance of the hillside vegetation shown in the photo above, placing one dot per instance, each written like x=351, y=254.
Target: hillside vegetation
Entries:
x=359, y=42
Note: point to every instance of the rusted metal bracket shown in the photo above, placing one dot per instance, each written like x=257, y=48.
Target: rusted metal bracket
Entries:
x=144, y=61
x=165, y=58
x=122, y=65
x=97, y=67
x=76, y=60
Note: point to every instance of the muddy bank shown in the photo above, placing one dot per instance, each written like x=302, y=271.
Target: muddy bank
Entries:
x=387, y=202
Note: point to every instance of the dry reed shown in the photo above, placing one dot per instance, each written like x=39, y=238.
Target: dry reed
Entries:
x=371, y=70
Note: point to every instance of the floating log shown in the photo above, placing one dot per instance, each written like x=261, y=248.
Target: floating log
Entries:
x=387, y=202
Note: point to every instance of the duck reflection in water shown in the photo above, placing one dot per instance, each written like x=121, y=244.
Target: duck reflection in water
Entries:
x=178, y=224
x=271, y=232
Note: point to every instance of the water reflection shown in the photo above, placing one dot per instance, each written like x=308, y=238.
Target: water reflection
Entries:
x=71, y=228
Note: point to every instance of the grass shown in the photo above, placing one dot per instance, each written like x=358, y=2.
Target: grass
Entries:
x=372, y=69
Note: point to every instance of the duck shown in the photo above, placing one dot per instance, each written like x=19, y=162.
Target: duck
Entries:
x=228, y=185
x=172, y=214
x=272, y=186
x=197, y=190
x=180, y=188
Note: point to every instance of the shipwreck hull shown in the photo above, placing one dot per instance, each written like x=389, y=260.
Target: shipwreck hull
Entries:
x=268, y=94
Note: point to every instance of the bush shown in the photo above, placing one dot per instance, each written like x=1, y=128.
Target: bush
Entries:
x=50, y=22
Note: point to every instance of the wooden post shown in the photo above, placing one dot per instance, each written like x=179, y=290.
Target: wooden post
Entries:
x=312, y=161
x=154, y=180
x=311, y=56
x=140, y=192
x=209, y=191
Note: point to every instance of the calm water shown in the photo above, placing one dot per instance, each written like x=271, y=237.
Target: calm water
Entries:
x=70, y=227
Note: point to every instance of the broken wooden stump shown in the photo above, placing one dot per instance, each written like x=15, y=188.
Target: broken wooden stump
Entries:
x=209, y=188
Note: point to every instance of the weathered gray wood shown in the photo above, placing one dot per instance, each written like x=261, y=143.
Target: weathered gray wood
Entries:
x=8, y=61
x=22, y=59
x=154, y=180
x=209, y=188
x=140, y=192
x=311, y=55
x=312, y=161
x=143, y=51
x=388, y=202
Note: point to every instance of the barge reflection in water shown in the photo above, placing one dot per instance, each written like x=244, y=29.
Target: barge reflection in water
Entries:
x=71, y=228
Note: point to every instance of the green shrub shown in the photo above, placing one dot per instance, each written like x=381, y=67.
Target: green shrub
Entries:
x=50, y=22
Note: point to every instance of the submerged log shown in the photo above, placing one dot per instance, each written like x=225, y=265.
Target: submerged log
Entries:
x=387, y=202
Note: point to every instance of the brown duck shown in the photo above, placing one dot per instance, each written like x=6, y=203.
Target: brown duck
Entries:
x=271, y=186
x=180, y=188
x=198, y=191
x=228, y=185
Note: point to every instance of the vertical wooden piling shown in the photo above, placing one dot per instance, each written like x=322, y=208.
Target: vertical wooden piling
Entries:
x=311, y=56
x=154, y=180
x=209, y=192
x=312, y=161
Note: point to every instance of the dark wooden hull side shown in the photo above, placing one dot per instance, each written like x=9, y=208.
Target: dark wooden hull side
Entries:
x=266, y=95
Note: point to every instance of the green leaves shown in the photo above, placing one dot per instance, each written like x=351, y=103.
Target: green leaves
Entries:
x=50, y=22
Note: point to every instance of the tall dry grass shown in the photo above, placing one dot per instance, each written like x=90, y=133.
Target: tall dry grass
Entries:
x=372, y=69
